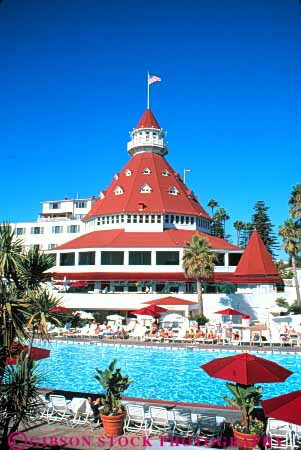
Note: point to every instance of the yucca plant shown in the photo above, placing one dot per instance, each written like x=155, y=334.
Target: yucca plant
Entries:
x=113, y=384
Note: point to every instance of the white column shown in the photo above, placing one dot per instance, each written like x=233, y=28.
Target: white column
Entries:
x=226, y=259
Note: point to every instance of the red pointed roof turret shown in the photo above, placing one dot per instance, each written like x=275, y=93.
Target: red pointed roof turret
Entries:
x=256, y=260
x=148, y=120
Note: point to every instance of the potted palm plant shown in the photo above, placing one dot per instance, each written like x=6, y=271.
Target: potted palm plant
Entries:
x=248, y=431
x=112, y=412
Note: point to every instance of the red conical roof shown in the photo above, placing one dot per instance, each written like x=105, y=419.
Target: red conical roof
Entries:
x=256, y=260
x=148, y=120
x=151, y=171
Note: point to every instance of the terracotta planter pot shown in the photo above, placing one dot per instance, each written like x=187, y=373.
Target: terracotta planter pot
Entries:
x=245, y=441
x=113, y=425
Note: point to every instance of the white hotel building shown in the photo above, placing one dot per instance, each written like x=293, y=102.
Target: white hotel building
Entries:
x=131, y=238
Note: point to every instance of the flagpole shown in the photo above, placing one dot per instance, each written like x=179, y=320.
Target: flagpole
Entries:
x=184, y=176
x=147, y=90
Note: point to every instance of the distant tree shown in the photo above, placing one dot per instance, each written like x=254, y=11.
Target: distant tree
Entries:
x=218, y=225
x=245, y=234
x=198, y=263
x=212, y=204
x=262, y=223
x=290, y=232
x=239, y=226
x=295, y=202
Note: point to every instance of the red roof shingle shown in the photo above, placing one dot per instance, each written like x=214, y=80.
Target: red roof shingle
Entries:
x=148, y=120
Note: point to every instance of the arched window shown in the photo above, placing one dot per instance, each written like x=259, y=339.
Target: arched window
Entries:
x=165, y=173
x=128, y=173
x=146, y=171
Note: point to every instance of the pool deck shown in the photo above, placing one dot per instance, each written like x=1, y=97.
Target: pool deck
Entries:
x=180, y=345
x=46, y=436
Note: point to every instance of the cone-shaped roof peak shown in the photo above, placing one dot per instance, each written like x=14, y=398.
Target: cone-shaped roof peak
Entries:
x=148, y=120
x=256, y=260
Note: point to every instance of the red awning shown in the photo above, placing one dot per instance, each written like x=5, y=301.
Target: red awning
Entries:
x=36, y=353
x=229, y=312
x=152, y=310
x=170, y=301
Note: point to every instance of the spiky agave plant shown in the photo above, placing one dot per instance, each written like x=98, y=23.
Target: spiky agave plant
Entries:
x=113, y=383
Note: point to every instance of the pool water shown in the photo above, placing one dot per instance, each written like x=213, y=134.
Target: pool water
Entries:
x=158, y=373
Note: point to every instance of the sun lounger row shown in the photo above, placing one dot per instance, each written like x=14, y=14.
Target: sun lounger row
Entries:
x=157, y=420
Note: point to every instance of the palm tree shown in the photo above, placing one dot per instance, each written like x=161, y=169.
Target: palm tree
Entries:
x=35, y=264
x=290, y=232
x=295, y=202
x=11, y=257
x=198, y=263
x=239, y=226
x=18, y=397
x=223, y=217
x=212, y=204
x=39, y=314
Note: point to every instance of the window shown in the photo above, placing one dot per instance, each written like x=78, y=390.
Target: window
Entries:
x=192, y=220
x=153, y=218
x=51, y=246
x=145, y=189
x=112, y=219
x=37, y=230
x=158, y=219
x=139, y=258
x=187, y=220
x=117, y=219
x=134, y=218
x=108, y=220
x=172, y=218
x=67, y=259
x=121, y=218
x=146, y=219
x=80, y=204
x=57, y=229
x=118, y=190
x=112, y=258
x=177, y=219
x=167, y=258
x=75, y=228
x=140, y=219
x=103, y=220
x=146, y=171
x=20, y=231
x=129, y=218
x=234, y=259
x=220, y=259
x=173, y=191
x=128, y=173
x=165, y=173
x=86, y=258
x=167, y=218
x=54, y=205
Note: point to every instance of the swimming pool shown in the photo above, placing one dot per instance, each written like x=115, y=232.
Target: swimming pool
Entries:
x=158, y=373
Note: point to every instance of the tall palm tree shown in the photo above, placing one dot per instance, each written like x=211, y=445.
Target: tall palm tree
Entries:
x=239, y=226
x=290, y=232
x=223, y=217
x=295, y=202
x=212, y=204
x=198, y=263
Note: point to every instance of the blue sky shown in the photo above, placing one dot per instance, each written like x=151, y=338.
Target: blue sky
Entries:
x=73, y=84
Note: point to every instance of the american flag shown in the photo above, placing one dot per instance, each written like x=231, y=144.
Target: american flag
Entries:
x=153, y=79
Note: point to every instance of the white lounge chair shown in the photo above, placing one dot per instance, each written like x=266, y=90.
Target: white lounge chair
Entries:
x=183, y=424
x=278, y=434
x=59, y=410
x=159, y=420
x=135, y=421
x=83, y=413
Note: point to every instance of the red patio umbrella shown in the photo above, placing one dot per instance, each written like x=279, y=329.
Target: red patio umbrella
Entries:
x=36, y=353
x=285, y=407
x=229, y=312
x=170, y=301
x=79, y=284
x=245, y=316
x=59, y=309
x=246, y=369
x=152, y=310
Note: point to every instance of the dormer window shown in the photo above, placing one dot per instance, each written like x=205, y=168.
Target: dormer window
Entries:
x=116, y=176
x=102, y=195
x=128, y=173
x=165, y=173
x=173, y=191
x=118, y=190
x=145, y=189
x=146, y=171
